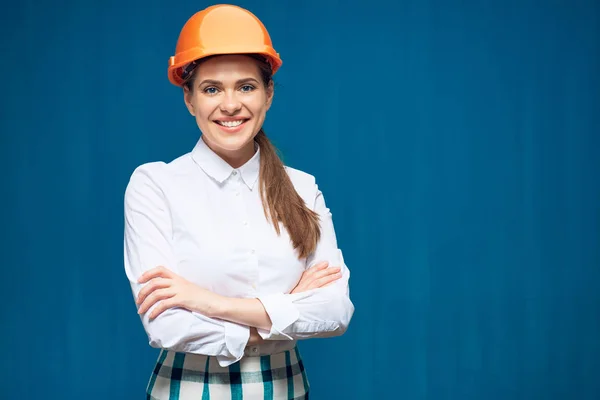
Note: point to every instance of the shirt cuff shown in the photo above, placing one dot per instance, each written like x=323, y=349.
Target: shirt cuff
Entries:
x=282, y=313
x=235, y=339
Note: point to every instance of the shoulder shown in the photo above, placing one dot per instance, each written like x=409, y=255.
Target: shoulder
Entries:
x=145, y=186
x=152, y=177
x=299, y=177
x=305, y=184
x=146, y=173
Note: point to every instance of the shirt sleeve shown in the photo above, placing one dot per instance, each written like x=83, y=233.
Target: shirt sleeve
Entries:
x=323, y=312
x=148, y=244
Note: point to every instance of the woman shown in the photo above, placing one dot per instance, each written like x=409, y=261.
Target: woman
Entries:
x=232, y=257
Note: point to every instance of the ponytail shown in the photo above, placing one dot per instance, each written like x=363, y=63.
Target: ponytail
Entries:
x=282, y=203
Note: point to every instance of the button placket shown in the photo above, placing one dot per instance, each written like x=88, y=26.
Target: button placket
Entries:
x=245, y=225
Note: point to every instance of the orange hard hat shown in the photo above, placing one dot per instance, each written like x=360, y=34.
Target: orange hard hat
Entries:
x=220, y=29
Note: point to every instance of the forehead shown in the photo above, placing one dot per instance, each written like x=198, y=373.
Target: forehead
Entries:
x=228, y=67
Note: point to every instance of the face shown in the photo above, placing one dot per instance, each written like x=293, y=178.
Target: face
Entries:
x=229, y=101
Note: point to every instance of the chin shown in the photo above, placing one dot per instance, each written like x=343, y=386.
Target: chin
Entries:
x=232, y=142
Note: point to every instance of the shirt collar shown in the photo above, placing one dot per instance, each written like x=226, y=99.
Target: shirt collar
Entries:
x=218, y=169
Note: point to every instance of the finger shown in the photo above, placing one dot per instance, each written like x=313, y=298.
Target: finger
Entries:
x=162, y=307
x=317, y=267
x=334, y=278
x=160, y=294
x=326, y=272
x=320, y=265
x=154, y=273
x=159, y=271
x=328, y=284
x=156, y=283
x=324, y=281
x=319, y=275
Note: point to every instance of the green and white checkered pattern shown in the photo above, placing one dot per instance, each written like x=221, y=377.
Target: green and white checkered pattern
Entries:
x=184, y=376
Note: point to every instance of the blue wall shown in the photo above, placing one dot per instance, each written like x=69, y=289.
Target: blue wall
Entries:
x=457, y=146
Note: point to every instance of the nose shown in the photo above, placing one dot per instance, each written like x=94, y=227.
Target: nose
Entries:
x=230, y=104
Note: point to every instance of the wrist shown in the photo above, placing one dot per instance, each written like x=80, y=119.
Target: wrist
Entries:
x=243, y=311
x=220, y=307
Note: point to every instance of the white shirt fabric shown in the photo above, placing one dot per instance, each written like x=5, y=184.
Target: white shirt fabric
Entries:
x=204, y=220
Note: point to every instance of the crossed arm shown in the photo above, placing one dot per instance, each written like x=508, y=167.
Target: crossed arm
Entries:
x=166, y=289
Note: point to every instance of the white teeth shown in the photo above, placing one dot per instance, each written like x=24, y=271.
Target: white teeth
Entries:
x=231, y=124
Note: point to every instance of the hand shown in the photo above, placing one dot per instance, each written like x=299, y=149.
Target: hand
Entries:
x=317, y=276
x=255, y=338
x=174, y=291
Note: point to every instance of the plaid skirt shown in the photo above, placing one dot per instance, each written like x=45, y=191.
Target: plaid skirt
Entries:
x=183, y=376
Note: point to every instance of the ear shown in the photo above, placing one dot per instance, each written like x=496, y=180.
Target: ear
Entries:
x=270, y=94
x=187, y=98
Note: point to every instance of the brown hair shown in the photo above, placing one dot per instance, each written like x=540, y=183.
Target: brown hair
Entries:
x=281, y=203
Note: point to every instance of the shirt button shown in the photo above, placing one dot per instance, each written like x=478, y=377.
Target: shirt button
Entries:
x=237, y=193
x=254, y=285
x=234, y=172
x=252, y=251
x=254, y=350
x=245, y=223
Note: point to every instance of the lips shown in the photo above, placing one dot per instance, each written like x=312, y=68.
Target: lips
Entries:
x=231, y=126
x=231, y=123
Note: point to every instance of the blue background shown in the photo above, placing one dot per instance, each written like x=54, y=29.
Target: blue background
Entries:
x=457, y=144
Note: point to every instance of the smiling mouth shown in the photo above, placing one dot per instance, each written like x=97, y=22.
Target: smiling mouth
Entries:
x=231, y=124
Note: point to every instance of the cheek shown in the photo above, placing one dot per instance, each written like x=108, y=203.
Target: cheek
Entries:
x=260, y=106
x=203, y=109
x=202, y=117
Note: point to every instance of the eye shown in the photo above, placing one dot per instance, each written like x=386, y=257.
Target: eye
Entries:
x=210, y=90
x=247, y=88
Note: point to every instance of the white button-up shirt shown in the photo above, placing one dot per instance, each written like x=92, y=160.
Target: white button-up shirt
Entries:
x=204, y=220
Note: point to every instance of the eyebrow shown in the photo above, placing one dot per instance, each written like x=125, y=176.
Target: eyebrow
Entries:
x=218, y=83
